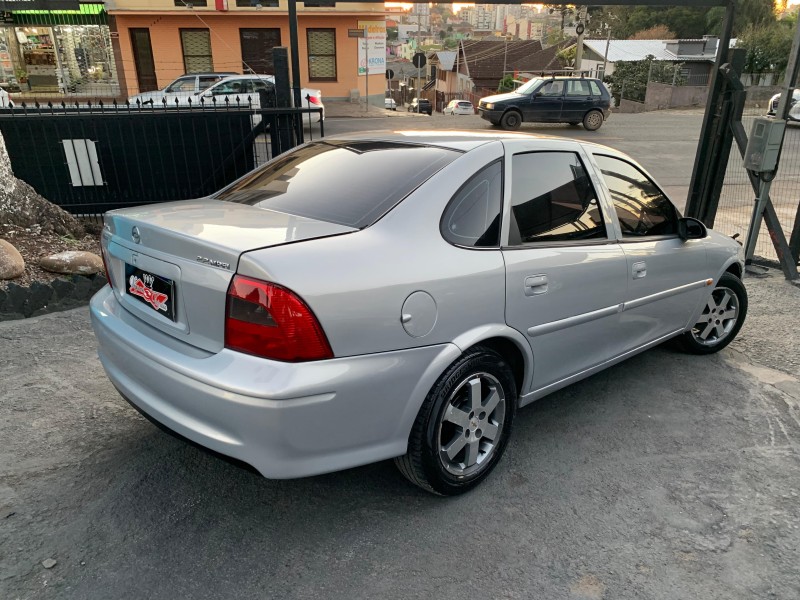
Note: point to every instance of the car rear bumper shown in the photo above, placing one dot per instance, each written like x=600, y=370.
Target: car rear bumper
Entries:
x=286, y=420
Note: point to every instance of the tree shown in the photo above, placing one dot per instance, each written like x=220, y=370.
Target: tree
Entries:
x=630, y=78
x=442, y=34
x=768, y=47
x=506, y=84
x=20, y=204
x=656, y=32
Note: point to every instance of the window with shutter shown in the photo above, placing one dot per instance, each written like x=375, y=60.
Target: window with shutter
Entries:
x=196, y=45
x=321, y=54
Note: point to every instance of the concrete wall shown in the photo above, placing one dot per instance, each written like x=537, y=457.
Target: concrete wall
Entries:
x=660, y=96
x=629, y=106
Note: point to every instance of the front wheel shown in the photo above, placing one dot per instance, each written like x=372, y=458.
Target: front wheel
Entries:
x=721, y=319
x=511, y=120
x=593, y=120
x=463, y=425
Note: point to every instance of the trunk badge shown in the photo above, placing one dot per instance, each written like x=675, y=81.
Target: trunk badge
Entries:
x=135, y=236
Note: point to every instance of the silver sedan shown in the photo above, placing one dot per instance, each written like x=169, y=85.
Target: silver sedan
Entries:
x=400, y=295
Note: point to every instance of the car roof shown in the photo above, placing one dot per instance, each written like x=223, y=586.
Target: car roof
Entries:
x=209, y=74
x=463, y=141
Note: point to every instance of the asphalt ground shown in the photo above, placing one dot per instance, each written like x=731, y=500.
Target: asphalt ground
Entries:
x=667, y=476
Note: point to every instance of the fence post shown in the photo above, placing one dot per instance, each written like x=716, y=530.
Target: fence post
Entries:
x=281, y=128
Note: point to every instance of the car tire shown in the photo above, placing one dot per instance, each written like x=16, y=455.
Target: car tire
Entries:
x=511, y=120
x=711, y=334
x=470, y=412
x=593, y=120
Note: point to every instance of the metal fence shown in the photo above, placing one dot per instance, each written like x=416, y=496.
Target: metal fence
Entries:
x=737, y=198
x=93, y=157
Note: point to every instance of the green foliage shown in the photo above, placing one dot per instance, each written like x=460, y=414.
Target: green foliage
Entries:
x=768, y=47
x=506, y=84
x=567, y=56
x=686, y=22
x=630, y=78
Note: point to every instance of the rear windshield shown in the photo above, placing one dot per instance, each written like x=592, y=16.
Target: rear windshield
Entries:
x=349, y=183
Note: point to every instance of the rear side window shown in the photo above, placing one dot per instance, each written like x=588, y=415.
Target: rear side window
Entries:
x=553, y=200
x=349, y=183
x=595, y=88
x=578, y=87
x=473, y=216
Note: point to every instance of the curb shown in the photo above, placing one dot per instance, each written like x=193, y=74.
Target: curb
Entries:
x=19, y=302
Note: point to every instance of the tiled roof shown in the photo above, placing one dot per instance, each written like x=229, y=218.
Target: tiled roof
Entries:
x=447, y=59
x=630, y=50
x=485, y=59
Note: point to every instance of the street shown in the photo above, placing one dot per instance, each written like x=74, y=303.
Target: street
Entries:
x=667, y=476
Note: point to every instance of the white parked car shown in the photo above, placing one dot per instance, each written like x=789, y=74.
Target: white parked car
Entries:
x=389, y=104
x=183, y=87
x=794, y=108
x=246, y=87
x=459, y=107
x=4, y=98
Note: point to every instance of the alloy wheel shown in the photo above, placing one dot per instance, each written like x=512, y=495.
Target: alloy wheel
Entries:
x=471, y=425
x=718, y=319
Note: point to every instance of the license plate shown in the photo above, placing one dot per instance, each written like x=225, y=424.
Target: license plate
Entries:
x=152, y=290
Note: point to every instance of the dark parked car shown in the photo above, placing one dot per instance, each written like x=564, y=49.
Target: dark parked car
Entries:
x=570, y=100
x=421, y=105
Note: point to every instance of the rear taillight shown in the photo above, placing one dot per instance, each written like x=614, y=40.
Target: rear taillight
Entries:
x=314, y=100
x=270, y=321
x=105, y=264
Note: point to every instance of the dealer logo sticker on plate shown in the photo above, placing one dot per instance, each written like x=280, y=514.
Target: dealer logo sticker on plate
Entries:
x=152, y=290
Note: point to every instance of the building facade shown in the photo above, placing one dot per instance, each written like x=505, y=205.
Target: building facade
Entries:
x=159, y=40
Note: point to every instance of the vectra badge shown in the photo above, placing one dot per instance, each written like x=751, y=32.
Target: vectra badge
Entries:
x=214, y=263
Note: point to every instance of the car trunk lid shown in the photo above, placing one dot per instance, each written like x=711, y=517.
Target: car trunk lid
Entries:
x=188, y=251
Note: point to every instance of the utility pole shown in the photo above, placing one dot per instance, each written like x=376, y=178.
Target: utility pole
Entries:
x=366, y=78
x=581, y=30
x=419, y=69
x=605, y=56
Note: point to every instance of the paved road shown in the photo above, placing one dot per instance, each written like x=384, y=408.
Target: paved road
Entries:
x=664, y=142
x=669, y=476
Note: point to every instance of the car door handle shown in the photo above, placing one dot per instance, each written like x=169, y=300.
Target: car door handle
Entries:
x=536, y=285
x=639, y=269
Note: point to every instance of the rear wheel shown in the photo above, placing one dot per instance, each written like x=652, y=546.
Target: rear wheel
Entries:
x=721, y=319
x=511, y=120
x=593, y=120
x=463, y=426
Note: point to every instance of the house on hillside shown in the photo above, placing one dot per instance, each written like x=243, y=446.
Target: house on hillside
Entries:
x=485, y=62
x=696, y=57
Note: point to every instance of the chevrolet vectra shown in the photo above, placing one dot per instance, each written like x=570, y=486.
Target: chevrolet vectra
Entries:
x=400, y=295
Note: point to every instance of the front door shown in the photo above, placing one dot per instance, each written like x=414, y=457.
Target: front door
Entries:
x=257, y=45
x=565, y=272
x=143, y=60
x=667, y=276
x=545, y=103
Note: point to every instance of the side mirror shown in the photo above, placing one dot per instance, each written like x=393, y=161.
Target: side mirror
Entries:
x=691, y=229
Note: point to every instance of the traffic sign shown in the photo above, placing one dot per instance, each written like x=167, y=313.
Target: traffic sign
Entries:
x=389, y=74
x=419, y=60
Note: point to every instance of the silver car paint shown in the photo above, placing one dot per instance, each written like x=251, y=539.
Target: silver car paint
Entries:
x=300, y=419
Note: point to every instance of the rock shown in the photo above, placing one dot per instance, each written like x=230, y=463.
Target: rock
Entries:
x=11, y=263
x=49, y=563
x=72, y=263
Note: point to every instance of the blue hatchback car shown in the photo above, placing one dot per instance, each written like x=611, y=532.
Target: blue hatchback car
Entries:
x=572, y=100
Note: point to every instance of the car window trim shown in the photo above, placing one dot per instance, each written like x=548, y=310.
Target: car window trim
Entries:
x=610, y=235
x=631, y=239
x=562, y=244
x=499, y=244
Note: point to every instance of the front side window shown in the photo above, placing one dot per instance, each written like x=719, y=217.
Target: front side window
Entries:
x=642, y=208
x=551, y=89
x=196, y=44
x=321, y=54
x=232, y=87
x=552, y=200
x=473, y=216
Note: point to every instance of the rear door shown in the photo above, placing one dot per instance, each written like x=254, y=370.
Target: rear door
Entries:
x=577, y=101
x=565, y=271
x=666, y=276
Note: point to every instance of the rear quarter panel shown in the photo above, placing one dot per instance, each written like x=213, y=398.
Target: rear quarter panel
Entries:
x=357, y=283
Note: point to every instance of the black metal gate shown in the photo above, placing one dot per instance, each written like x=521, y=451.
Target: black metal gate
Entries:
x=93, y=158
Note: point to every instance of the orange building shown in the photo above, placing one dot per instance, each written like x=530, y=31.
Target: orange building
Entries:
x=159, y=40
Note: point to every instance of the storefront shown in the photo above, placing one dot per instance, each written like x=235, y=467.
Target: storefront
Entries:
x=64, y=49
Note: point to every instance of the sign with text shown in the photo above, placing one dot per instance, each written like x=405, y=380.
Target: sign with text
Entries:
x=12, y=5
x=372, y=47
x=355, y=33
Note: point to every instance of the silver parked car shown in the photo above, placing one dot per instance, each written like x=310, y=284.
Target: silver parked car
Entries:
x=400, y=295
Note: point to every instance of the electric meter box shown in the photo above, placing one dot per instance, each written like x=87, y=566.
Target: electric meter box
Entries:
x=764, y=145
